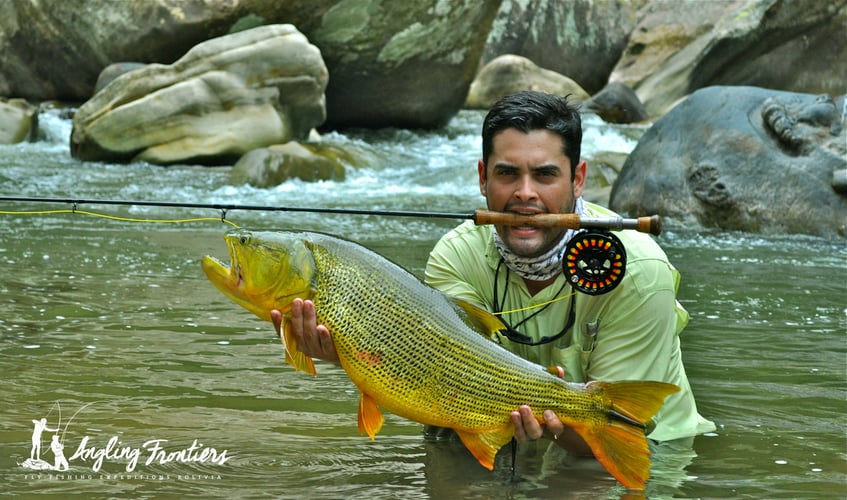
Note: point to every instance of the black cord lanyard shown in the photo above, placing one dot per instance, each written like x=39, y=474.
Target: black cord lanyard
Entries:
x=511, y=331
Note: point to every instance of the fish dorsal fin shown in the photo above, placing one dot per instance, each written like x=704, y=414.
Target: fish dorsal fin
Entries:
x=370, y=418
x=293, y=355
x=487, y=323
x=485, y=445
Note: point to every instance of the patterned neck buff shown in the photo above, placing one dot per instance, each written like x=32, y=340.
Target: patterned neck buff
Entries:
x=542, y=267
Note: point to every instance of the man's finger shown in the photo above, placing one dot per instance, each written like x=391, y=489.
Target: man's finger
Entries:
x=276, y=319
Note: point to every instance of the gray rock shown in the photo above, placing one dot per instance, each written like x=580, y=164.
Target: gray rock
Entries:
x=742, y=158
x=679, y=46
x=616, y=103
x=401, y=64
x=581, y=39
x=225, y=97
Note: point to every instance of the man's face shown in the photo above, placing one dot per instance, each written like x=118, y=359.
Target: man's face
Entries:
x=528, y=173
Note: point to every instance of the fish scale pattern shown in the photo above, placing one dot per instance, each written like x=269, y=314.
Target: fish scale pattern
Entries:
x=411, y=348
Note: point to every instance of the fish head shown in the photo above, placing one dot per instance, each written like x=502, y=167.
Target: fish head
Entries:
x=267, y=270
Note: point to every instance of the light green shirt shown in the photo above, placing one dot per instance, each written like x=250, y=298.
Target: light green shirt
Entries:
x=629, y=333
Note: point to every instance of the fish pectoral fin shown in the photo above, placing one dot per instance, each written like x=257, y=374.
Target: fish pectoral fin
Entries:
x=293, y=355
x=485, y=445
x=488, y=323
x=370, y=417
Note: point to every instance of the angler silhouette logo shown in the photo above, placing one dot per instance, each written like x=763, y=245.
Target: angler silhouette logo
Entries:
x=113, y=450
x=57, y=444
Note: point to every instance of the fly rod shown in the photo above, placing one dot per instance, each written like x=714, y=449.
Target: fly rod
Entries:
x=647, y=224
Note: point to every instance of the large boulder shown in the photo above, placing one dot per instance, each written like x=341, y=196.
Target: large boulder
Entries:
x=581, y=39
x=404, y=64
x=54, y=49
x=223, y=98
x=508, y=74
x=392, y=63
x=742, y=158
x=679, y=46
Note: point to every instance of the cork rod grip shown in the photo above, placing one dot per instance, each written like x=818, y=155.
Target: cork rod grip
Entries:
x=647, y=224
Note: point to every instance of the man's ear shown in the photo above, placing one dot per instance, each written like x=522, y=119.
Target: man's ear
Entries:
x=580, y=172
x=480, y=168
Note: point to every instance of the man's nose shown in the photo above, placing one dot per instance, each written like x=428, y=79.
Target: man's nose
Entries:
x=525, y=190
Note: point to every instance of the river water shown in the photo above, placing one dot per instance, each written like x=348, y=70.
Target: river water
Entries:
x=159, y=386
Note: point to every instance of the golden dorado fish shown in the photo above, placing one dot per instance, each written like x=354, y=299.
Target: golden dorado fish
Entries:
x=419, y=354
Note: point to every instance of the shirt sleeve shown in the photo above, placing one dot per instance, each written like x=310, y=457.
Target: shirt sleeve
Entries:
x=449, y=269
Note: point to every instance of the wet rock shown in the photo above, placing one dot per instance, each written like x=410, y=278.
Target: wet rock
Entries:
x=18, y=121
x=113, y=71
x=271, y=166
x=401, y=64
x=679, y=46
x=616, y=103
x=225, y=97
x=742, y=158
x=582, y=39
x=509, y=73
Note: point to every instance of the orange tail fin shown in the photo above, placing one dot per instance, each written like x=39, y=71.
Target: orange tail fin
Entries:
x=621, y=445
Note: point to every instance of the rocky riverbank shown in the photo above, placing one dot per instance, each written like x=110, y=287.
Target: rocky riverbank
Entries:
x=173, y=81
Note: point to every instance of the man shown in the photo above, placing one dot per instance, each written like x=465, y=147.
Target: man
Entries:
x=531, y=165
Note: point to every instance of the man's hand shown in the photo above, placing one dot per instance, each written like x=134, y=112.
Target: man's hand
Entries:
x=312, y=339
x=527, y=427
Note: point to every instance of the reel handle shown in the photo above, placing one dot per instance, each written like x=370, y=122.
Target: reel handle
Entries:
x=647, y=224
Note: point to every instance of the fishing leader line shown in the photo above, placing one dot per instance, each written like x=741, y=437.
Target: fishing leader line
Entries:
x=222, y=219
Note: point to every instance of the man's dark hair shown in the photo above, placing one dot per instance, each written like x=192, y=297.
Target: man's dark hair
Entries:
x=531, y=110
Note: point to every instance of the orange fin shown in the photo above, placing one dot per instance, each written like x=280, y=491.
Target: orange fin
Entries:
x=621, y=445
x=485, y=322
x=485, y=445
x=370, y=418
x=293, y=356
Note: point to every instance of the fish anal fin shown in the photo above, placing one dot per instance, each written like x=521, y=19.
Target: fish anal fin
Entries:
x=370, y=416
x=487, y=323
x=485, y=445
x=293, y=355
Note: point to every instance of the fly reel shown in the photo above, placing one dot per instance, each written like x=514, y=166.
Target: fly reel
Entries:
x=595, y=262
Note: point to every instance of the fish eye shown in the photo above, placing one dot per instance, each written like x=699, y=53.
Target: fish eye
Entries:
x=244, y=239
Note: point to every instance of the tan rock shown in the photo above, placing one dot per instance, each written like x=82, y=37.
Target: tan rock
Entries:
x=509, y=73
x=225, y=97
x=18, y=121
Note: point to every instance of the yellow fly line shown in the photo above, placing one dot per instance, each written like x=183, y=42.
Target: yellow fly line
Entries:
x=118, y=218
x=535, y=306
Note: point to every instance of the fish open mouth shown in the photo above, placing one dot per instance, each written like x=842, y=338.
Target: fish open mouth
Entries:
x=219, y=273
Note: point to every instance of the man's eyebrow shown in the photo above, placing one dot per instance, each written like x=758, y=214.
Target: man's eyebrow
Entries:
x=505, y=166
x=546, y=168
